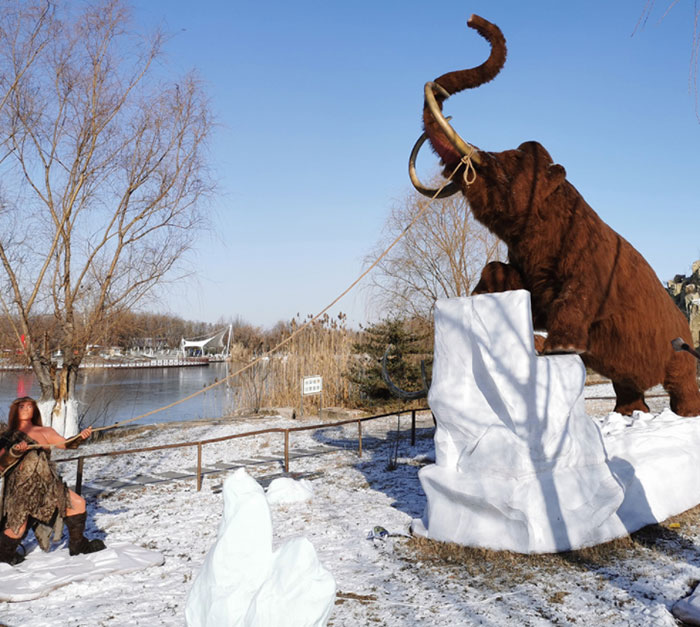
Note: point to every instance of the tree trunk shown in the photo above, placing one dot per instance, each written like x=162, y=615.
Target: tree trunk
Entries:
x=43, y=369
x=57, y=402
x=64, y=413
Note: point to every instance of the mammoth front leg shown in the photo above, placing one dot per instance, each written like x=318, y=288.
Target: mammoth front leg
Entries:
x=569, y=318
x=503, y=277
x=499, y=277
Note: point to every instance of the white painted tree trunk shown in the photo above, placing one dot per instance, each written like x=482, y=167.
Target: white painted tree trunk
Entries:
x=61, y=416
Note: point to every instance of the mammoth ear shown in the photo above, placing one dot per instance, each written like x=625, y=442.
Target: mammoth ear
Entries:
x=551, y=178
x=556, y=175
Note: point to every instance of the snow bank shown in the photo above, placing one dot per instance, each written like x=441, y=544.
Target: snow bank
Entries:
x=519, y=465
x=243, y=582
x=656, y=459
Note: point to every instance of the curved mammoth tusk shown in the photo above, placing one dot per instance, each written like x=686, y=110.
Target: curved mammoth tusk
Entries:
x=450, y=189
x=465, y=149
x=397, y=391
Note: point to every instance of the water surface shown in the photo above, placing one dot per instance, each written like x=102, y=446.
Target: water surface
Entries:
x=109, y=395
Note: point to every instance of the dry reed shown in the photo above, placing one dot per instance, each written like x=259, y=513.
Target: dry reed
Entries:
x=323, y=349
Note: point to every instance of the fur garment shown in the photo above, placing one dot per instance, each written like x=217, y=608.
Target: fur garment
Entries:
x=33, y=489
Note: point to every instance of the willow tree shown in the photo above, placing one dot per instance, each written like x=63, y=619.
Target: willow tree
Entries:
x=103, y=177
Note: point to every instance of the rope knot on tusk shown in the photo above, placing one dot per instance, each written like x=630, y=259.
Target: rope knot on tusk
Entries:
x=469, y=174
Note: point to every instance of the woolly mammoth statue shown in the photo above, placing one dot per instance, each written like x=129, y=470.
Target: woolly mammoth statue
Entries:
x=590, y=289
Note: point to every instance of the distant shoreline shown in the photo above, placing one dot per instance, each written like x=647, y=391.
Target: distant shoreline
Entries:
x=149, y=363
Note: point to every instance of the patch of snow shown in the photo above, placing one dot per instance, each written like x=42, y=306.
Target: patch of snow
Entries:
x=520, y=466
x=288, y=490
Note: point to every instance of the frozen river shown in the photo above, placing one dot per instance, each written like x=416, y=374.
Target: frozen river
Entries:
x=109, y=395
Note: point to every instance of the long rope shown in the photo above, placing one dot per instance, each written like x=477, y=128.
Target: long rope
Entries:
x=302, y=327
x=305, y=325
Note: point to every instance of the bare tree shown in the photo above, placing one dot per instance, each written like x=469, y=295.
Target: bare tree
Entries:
x=103, y=180
x=441, y=256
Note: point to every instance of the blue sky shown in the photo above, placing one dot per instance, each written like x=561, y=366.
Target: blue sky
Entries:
x=319, y=103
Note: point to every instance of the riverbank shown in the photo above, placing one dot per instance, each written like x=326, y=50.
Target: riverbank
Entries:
x=109, y=395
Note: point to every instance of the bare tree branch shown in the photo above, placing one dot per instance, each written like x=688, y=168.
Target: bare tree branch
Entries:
x=695, y=46
x=440, y=257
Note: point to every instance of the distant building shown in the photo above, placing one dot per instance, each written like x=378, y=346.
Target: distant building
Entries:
x=685, y=291
x=217, y=344
x=149, y=345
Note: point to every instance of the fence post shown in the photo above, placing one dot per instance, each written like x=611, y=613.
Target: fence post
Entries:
x=286, y=450
x=79, y=476
x=199, y=466
x=359, y=438
x=413, y=427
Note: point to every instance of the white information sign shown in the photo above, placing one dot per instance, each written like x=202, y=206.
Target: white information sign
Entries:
x=311, y=385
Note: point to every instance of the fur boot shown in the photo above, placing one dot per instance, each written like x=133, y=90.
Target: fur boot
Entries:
x=8, y=547
x=77, y=542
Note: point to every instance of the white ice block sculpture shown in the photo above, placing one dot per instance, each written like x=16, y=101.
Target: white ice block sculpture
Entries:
x=519, y=464
x=244, y=583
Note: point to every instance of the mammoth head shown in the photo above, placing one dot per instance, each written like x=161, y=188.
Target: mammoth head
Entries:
x=449, y=146
x=514, y=186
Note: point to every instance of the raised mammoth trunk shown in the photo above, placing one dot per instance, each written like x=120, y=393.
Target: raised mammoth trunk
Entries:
x=458, y=80
x=446, y=142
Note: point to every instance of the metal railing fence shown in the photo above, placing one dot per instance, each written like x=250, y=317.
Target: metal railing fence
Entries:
x=284, y=430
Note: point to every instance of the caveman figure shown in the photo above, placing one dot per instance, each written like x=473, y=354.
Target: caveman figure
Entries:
x=34, y=495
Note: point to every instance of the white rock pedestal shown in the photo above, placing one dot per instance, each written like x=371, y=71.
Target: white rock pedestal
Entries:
x=519, y=464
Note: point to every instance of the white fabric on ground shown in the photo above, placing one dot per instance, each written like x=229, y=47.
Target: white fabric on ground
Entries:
x=42, y=572
x=688, y=609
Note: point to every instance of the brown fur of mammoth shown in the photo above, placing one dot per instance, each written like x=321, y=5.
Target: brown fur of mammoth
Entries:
x=591, y=290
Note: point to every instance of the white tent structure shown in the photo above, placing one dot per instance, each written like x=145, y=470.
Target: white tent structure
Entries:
x=217, y=344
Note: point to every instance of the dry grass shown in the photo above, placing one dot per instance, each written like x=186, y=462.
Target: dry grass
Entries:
x=502, y=569
x=341, y=597
x=322, y=349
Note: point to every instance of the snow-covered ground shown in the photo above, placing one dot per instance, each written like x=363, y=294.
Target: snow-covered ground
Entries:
x=394, y=580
